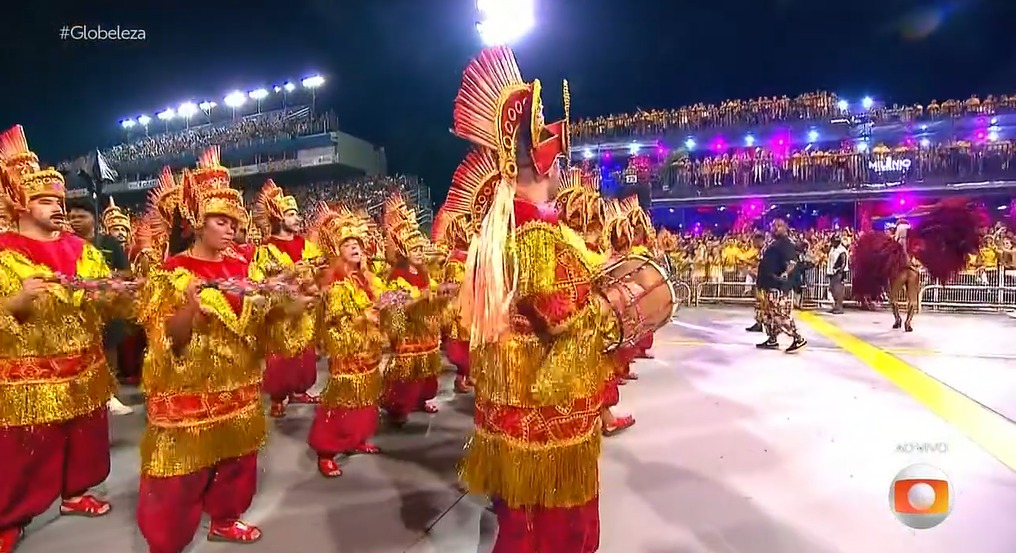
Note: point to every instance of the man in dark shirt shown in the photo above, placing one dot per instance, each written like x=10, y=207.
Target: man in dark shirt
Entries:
x=774, y=270
x=758, y=241
x=81, y=216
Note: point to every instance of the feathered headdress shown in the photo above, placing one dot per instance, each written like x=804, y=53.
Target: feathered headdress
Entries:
x=402, y=232
x=114, y=217
x=638, y=218
x=578, y=201
x=23, y=179
x=142, y=233
x=252, y=233
x=617, y=227
x=666, y=241
x=331, y=226
x=206, y=191
x=164, y=199
x=271, y=204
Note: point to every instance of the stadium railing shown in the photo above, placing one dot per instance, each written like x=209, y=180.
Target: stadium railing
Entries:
x=989, y=290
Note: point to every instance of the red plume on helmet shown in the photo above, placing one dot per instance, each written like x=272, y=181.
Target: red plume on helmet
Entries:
x=947, y=235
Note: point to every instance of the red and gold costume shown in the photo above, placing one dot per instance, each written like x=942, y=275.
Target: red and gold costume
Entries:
x=251, y=239
x=643, y=240
x=286, y=378
x=130, y=351
x=534, y=324
x=205, y=418
x=453, y=227
x=346, y=417
x=413, y=329
x=54, y=380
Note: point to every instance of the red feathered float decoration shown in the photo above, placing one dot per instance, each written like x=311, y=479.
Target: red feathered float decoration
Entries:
x=947, y=234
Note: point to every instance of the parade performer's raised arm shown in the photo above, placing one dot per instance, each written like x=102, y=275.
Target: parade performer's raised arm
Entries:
x=453, y=226
x=413, y=328
x=284, y=249
x=54, y=379
x=534, y=323
x=208, y=330
x=347, y=415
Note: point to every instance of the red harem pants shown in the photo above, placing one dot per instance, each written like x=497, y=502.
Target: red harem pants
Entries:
x=42, y=463
x=402, y=397
x=645, y=344
x=458, y=355
x=548, y=530
x=623, y=358
x=169, y=509
x=611, y=393
x=287, y=376
x=337, y=430
x=130, y=355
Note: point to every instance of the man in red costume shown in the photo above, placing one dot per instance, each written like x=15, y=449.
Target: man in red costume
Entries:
x=455, y=230
x=284, y=249
x=534, y=322
x=54, y=379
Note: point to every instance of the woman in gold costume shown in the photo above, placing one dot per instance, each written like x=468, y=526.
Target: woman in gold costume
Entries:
x=452, y=226
x=534, y=323
x=413, y=329
x=346, y=417
x=202, y=374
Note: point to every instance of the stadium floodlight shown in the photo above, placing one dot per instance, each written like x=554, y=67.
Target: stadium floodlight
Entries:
x=994, y=120
x=276, y=89
x=993, y=136
x=690, y=144
x=812, y=136
x=234, y=99
x=144, y=120
x=843, y=105
x=633, y=149
x=207, y=106
x=258, y=95
x=867, y=102
x=187, y=110
x=862, y=146
x=587, y=153
x=127, y=123
x=313, y=82
x=289, y=87
x=925, y=143
x=166, y=114
x=749, y=141
x=504, y=22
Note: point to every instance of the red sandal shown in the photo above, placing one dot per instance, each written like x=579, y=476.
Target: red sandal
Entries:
x=234, y=532
x=84, y=506
x=329, y=468
x=620, y=424
x=367, y=449
x=10, y=538
x=304, y=399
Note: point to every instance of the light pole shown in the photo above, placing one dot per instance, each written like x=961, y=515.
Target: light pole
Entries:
x=144, y=120
x=257, y=96
x=234, y=100
x=207, y=108
x=166, y=116
x=187, y=110
x=313, y=83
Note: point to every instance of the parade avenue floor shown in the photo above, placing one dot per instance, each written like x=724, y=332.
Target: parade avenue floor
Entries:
x=735, y=450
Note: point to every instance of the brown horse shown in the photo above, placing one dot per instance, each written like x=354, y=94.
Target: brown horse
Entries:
x=907, y=284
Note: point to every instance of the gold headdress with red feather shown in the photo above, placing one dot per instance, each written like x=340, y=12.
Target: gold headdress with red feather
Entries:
x=206, y=191
x=578, y=201
x=113, y=217
x=617, y=227
x=22, y=178
x=331, y=226
x=164, y=199
x=402, y=232
x=638, y=218
x=271, y=204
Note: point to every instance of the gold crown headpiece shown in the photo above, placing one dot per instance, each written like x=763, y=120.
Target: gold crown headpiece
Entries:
x=21, y=176
x=206, y=191
x=164, y=199
x=113, y=217
x=617, y=227
x=252, y=232
x=666, y=240
x=451, y=230
x=638, y=217
x=402, y=232
x=271, y=204
x=143, y=231
x=578, y=201
x=333, y=225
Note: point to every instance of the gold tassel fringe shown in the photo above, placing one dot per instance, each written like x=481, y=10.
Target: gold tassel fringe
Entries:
x=24, y=404
x=177, y=451
x=414, y=366
x=352, y=390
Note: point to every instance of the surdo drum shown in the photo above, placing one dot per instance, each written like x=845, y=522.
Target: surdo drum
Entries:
x=640, y=293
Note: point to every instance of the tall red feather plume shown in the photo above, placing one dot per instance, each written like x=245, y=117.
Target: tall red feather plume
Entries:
x=876, y=260
x=949, y=233
x=476, y=116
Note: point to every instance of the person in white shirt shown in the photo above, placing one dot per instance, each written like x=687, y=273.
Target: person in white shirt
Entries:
x=836, y=269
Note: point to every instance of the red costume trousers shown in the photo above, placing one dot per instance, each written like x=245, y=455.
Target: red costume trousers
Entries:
x=548, y=530
x=169, y=509
x=623, y=358
x=130, y=355
x=337, y=430
x=286, y=376
x=402, y=397
x=458, y=355
x=611, y=393
x=42, y=463
x=644, y=344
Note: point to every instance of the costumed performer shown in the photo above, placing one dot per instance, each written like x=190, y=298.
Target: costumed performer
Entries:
x=580, y=207
x=643, y=243
x=413, y=329
x=248, y=240
x=208, y=331
x=54, y=378
x=346, y=417
x=454, y=228
x=774, y=270
x=534, y=323
x=284, y=249
x=130, y=349
x=619, y=236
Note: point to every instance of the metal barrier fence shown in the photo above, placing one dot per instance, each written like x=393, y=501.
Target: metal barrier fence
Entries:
x=989, y=290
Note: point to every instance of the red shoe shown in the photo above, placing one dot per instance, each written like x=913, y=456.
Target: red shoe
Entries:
x=10, y=538
x=328, y=467
x=303, y=399
x=620, y=424
x=278, y=409
x=428, y=407
x=84, y=506
x=367, y=449
x=234, y=532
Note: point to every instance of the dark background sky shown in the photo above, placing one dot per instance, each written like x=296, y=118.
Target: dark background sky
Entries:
x=394, y=65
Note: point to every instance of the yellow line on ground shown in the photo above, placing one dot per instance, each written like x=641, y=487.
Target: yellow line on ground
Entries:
x=993, y=432
x=699, y=343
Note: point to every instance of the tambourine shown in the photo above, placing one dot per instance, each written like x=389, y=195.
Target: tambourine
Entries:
x=95, y=285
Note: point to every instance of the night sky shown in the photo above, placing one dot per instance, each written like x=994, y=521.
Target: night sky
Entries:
x=393, y=65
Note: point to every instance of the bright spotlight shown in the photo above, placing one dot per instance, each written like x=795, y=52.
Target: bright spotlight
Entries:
x=127, y=123
x=259, y=94
x=867, y=102
x=749, y=140
x=587, y=153
x=235, y=99
x=289, y=87
x=862, y=146
x=187, y=110
x=504, y=22
x=144, y=120
x=812, y=136
x=166, y=114
x=690, y=144
x=843, y=105
x=207, y=106
x=313, y=82
x=633, y=149
x=925, y=143
x=277, y=89
x=993, y=136
x=994, y=120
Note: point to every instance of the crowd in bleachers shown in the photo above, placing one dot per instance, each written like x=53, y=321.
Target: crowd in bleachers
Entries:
x=761, y=111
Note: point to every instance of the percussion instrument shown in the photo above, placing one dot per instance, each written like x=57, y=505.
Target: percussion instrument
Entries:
x=640, y=293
